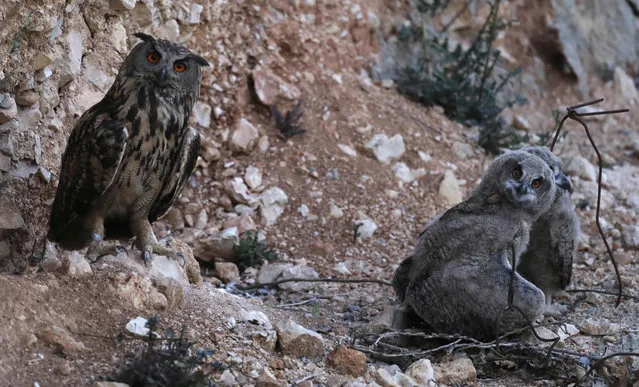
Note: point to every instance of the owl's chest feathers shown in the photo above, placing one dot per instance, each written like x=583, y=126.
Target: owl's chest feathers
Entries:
x=156, y=128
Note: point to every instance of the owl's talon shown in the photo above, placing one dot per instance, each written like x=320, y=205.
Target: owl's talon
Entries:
x=146, y=256
x=179, y=254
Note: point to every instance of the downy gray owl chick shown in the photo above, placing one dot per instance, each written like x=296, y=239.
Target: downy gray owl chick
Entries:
x=457, y=279
x=547, y=262
x=130, y=155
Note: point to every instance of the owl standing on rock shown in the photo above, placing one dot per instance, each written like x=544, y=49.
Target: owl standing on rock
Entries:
x=130, y=155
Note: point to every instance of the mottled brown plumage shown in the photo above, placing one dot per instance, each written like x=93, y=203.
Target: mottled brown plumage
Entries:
x=130, y=155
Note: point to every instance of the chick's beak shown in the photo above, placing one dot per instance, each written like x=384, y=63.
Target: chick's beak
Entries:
x=163, y=73
x=563, y=182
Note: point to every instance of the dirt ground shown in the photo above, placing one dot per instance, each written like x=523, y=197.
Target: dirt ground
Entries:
x=314, y=172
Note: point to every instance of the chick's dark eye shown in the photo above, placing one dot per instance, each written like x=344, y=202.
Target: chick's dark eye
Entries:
x=153, y=57
x=537, y=183
x=517, y=173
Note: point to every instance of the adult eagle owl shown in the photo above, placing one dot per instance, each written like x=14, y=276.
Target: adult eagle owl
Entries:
x=130, y=155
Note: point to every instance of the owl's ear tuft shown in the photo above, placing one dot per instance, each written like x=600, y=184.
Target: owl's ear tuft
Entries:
x=198, y=59
x=145, y=37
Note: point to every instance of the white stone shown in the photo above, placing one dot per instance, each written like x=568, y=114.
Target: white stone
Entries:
x=567, y=330
x=8, y=108
x=405, y=174
x=625, y=84
x=449, y=189
x=304, y=210
x=335, y=211
x=579, y=166
x=272, y=203
x=253, y=177
x=194, y=16
x=424, y=156
x=386, y=149
x=244, y=137
x=71, y=65
x=257, y=318
x=237, y=189
x=169, y=30
x=123, y=4
x=217, y=112
x=347, y=149
x=521, y=123
x=78, y=266
x=228, y=379
x=298, y=341
x=599, y=327
x=422, y=373
x=341, y=268
x=365, y=228
x=202, y=114
x=462, y=150
x=137, y=327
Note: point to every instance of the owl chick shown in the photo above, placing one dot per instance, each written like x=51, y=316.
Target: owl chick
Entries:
x=130, y=155
x=547, y=262
x=457, y=279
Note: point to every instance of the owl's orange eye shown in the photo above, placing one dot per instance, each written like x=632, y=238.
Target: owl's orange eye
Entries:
x=153, y=57
x=179, y=67
x=536, y=183
x=517, y=173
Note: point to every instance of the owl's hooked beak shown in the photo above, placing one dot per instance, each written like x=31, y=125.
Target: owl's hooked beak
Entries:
x=163, y=73
x=521, y=191
x=563, y=182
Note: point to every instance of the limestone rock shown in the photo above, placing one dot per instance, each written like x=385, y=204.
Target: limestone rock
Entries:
x=625, y=85
x=109, y=384
x=449, y=189
x=386, y=149
x=60, y=338
x=253, y=177
x=272, y=204
x=347, y=361
x=599, y=327
x=10, y=218
x=392, y=376
x=462, y=150
x=267, y=379
x=172, y=289
x=405, y=174
x=347, y=149
x=27, y=98
x=365, y=228
x=8, y=108
x=202, y=113
x=238, y=191
x=216, y=246
x=137, y=327
x=266, y=339
x=455, y=372
x=227, y=272
x=631, y=236
x=295, y=340
x=78, y=267
x=579, y=166
x=269, y=87
x=245, y=137
x=243, y=223
x=422, y=372
x=297, y=271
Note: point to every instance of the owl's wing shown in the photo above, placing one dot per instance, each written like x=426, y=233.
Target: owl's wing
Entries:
x=401, y=278
x=563, y=246
x=89, y=165
x=182, y=169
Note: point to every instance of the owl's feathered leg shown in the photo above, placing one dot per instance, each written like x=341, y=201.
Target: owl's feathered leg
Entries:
x=98, y=247
x=148, y=244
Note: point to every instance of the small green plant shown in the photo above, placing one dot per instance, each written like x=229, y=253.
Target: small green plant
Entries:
x=464, y=82
x=168, y=361
x=252, y=252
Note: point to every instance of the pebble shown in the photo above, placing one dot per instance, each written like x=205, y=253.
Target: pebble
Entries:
x=405, y=174
x=272, y=204
x=269, y=87
x=244, y=138
x=138, y=327
x=579, y=166
x=625, y=85
x=303, y=210
x=295, y=340
x=347, y=149
x=422, y=372
x=196, y=11
x=462, y=150
x=202, y=114
x=459, y=371
x=8, y=108
x=335, y=211
x=449, y=189
x=347, y=361
x=78, y=266
x=27, y=98
x=253, y=177
x=365, y=228
x=386, y=149
x=599, y=327
x=227, y=272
